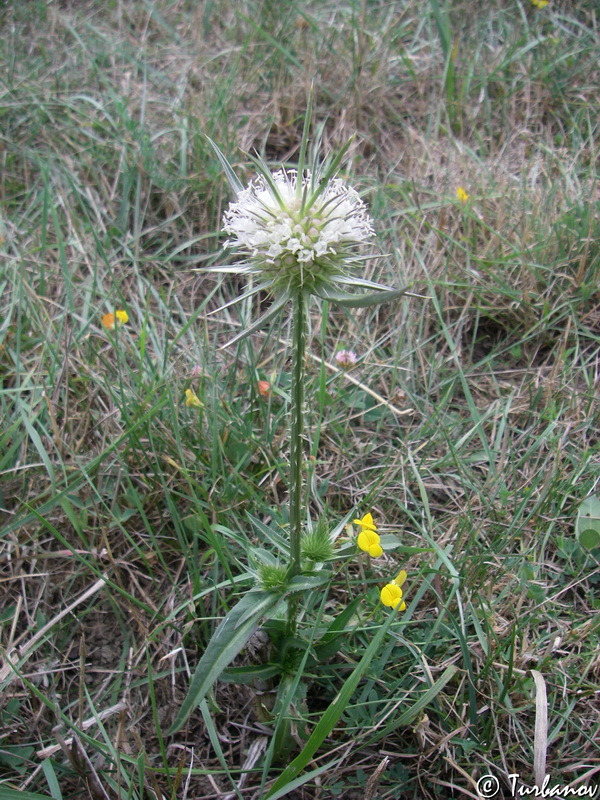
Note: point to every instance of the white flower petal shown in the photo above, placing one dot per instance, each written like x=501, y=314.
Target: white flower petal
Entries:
x=268, y=223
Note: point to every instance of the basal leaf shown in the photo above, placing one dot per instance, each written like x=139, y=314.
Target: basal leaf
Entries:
x=227, y=641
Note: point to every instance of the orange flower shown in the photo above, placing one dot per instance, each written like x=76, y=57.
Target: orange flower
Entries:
x=264, y=388
x=111, y=321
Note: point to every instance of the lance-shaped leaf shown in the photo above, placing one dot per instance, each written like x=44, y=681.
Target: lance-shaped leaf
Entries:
x=350, y=300
x=305, y=134
x=233, y=179
x=250, y=673
x=301, y=583
x=236, y=269
x=330, y=172
x=271, y=312
x=20, y=794
x=245, y=296
x=352, y=280
x=227, y=641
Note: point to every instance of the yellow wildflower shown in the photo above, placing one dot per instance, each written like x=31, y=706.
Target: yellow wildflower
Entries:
x=110, y=321
x=391, y=594
x=366, y=523
x=368, y=538
x=192, y=400
x=540, y=3
x=461, y=194
x=369, y=542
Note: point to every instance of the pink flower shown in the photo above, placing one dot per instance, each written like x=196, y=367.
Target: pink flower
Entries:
x=346, y=359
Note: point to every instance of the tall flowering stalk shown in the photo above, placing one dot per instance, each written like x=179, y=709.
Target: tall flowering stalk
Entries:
x=297, y=233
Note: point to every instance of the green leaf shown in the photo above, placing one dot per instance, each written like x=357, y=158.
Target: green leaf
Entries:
x=302, y=583
x=305, y=134
x=328, y=767
x=360, y=300
x=241, y=268
x=330, y=170
x=233, y=179
x=589, y=538
x=18, y=794
x=250, y=673
x=226, y=642
x=362, y=283
x=329, y=641
x=271, y=536
x=587, y=526
x=263, y=170
x=50, y=775
x=390, y=541
x=245, y=296
x=271, y=312
x=331, y=715
x=214, y=740
x=443, y=26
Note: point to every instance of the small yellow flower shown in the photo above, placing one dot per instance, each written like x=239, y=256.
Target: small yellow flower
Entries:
x=461, y=194
x=192, y=400
x=369, y=542
x=110, y=321
x=540, y=3
x=391, y=594
x=366, y=523
x=368, y=538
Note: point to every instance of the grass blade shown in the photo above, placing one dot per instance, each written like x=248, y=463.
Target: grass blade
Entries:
x=332, y=714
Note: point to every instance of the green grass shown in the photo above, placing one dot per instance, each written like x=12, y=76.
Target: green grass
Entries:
x=110, y=197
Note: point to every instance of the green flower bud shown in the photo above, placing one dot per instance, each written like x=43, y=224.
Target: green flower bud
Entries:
x=316, y=545
x=272, y=577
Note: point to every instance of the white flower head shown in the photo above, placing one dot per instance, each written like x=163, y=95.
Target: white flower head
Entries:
x=299, y=234
x=299, y=231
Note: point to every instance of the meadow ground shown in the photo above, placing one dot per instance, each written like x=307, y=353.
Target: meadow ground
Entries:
x=469, y=425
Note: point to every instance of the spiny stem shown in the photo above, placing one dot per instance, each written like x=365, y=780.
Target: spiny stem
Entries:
x=297, y=431
x=296, y=443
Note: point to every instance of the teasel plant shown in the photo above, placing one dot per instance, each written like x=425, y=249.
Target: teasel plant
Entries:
x=297, y=233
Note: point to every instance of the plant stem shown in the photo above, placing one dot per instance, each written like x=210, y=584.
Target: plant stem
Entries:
x=296, y=443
